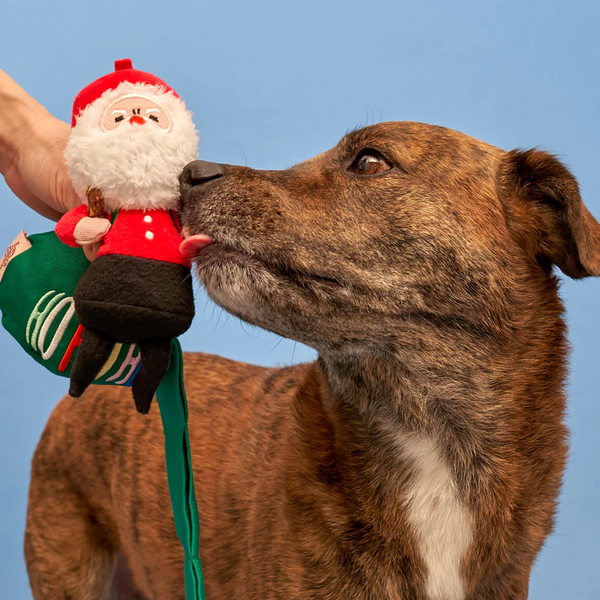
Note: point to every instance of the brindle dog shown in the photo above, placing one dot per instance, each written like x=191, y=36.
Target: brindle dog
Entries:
x=419, y=458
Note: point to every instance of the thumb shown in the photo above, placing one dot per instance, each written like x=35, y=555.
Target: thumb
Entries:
x=19, y=189
x=65, y=195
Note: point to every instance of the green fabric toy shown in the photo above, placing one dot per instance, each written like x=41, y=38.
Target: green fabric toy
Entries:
x=38, y=309
x=115, y=319
x=38, y=276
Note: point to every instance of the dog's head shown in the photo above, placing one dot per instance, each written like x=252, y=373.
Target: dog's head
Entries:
x=399, y=224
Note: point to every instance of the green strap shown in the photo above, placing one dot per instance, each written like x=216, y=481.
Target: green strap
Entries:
x=174, y=412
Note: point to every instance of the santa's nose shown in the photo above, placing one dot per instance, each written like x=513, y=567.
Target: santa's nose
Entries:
x=137, y=119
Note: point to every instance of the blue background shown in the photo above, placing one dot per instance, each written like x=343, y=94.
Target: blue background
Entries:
x=274, y=83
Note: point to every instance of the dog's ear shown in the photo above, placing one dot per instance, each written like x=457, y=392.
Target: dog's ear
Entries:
x=546, y=215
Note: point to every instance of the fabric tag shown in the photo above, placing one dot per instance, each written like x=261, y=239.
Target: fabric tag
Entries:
x=19, y=246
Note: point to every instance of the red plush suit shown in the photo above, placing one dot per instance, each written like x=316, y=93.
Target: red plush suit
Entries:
x=150, y=234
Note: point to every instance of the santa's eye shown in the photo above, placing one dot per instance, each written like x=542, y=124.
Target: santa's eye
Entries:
x=154, y=118
x=119, y=118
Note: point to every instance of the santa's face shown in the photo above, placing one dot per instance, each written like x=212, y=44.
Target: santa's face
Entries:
x=134, y=110
x=132, y=143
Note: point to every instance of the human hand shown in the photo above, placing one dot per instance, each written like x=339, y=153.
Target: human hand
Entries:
x=32, y=142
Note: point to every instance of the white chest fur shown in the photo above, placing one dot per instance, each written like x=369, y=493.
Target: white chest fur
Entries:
x=441, y=521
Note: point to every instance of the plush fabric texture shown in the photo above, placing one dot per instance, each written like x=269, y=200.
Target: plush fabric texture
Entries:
x=95, y=350
x=129, y=299
x=124, y=71
x=135, y=167
x=155, y=362
x=38, y=310
x=91, y=230
x=92, y=354
x=65, y=228
x=34, y=284
x=132, y=299
x=147, y=234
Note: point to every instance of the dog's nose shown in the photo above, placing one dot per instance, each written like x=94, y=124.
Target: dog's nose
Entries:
x=200, y=171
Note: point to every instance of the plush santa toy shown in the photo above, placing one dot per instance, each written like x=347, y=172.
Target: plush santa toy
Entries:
x=131, y=136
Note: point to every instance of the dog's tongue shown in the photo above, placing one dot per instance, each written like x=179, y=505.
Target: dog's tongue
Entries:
x=191, y=245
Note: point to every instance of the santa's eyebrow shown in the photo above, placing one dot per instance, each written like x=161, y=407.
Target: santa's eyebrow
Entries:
x=119, y=110
x=152, y=110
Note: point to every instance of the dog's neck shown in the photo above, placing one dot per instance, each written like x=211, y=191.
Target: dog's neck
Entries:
x=442, y=382
x=438, y=427
x=461, y=385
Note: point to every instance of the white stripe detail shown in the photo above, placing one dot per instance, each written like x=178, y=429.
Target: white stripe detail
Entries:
x=441, y=522
x=62, y=327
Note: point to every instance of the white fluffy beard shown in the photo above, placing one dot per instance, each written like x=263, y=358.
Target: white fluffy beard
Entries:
x=135, y=167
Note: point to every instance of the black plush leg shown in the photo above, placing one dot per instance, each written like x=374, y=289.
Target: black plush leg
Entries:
x=92, y=354
x=155, y=361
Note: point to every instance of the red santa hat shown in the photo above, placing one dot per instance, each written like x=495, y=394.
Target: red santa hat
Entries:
x=136, y=168
x=124, y=72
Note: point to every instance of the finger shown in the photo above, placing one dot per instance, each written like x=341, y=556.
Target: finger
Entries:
x=18, y=187
x=66, y=196
x=91, y=251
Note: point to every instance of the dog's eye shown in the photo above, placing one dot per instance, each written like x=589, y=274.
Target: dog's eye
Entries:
x=369, y=162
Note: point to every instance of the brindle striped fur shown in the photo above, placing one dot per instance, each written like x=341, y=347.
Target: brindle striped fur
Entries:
x=429, y=294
